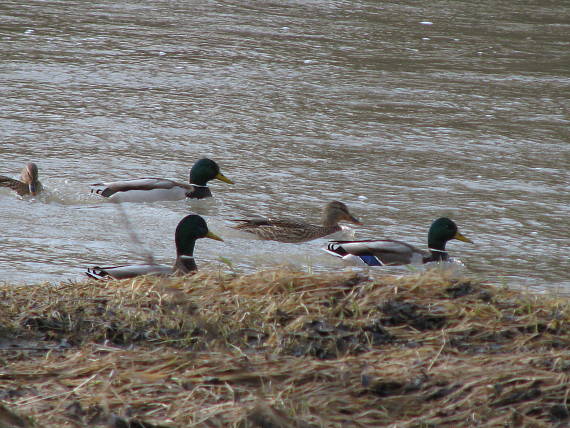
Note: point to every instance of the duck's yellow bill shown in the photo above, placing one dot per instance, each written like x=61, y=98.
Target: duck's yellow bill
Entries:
x=460, y=237
x=212, y=235
x=223, y=178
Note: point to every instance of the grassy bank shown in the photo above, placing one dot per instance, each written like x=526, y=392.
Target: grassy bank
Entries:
x=283, y=348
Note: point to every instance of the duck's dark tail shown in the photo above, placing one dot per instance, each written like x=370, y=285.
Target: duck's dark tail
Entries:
x=97, y=272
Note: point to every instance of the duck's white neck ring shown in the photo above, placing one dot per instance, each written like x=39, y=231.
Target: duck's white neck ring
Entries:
x=437, y=251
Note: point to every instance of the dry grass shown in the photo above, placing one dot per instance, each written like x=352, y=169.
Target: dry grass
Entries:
x=283, y=348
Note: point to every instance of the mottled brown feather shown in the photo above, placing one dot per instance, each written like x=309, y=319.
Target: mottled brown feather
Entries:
x=294, y=231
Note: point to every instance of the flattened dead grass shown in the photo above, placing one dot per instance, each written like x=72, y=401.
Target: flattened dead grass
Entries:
x=283, y=348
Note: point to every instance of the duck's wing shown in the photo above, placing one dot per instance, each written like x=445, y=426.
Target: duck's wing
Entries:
x=127, y=271
x=377, y=252
x=247, y=223
x=143, y=184
x=16, y=185
x=145, y=190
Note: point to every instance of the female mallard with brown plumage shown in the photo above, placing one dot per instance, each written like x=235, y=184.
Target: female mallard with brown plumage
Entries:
x=29, y=184
x=293, y=231
x=388, y=252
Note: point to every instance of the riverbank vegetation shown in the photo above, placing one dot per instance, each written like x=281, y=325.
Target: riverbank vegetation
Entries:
x=283, y=348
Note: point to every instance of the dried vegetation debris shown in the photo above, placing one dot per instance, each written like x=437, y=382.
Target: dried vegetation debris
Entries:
x=283, y=348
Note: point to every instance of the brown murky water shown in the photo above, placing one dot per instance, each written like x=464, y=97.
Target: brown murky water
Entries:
x=406, y=111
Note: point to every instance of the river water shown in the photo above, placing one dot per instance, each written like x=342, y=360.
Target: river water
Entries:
x=406, y=111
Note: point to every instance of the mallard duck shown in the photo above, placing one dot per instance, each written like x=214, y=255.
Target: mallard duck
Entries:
x=162, y=189
x=30, y=185
x=390, y=252
x=288, y=230
x=190, y=228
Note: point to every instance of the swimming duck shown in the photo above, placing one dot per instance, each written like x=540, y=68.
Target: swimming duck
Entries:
x=162, y=189
x=190, y=228
x=390, y=252
x=29, y=185
x=294, y=231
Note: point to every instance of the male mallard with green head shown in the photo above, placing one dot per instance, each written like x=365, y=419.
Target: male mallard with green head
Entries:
x=390, y=252
x=162, y=189
x=294, y=231
x=29, y=184
x=190, y=228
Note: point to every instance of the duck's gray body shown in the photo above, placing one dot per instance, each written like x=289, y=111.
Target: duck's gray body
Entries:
x=384, y=252
x=150, y=190
x=128, y=271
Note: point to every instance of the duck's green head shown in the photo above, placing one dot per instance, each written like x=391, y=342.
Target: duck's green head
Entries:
x=443, y=230
x=189, y=229
x=205, y=170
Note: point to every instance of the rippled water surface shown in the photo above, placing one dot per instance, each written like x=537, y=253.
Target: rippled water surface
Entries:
x=406, y=111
